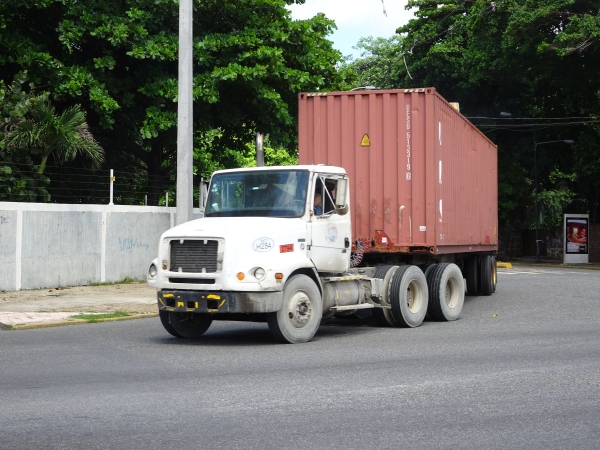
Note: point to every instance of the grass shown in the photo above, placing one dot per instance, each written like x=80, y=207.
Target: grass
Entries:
x=110, y=283
x=94, y=318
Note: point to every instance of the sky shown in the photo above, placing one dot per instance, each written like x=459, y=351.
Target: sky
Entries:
x=356, y=19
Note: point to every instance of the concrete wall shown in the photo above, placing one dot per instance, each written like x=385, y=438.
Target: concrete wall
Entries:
x=51, y=245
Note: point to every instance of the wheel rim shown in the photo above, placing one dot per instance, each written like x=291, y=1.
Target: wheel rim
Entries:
x=300, y=310
x=414, y=297
x=452, y=293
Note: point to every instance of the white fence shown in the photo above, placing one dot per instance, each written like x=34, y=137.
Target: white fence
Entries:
x=53, y=245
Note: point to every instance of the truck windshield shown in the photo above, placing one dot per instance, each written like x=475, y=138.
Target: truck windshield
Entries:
x=264, y=193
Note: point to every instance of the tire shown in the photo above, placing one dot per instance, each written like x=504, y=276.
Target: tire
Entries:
x=426, y=268
x=472, y=274
x=494, y=273
x=383, y=316
x=186, y=325
x=164, y=319
x=362, y=314
x=300, y=315
x=486, y=274
x=409, y=296
x=446, y=292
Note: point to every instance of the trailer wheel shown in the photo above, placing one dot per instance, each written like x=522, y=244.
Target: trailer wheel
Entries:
x=383, y=316
x=471, y=274
x=186, y=325
x=494, y=273
x=409, y=296
x=300, y=315
x=446, y=292
x=486, y=274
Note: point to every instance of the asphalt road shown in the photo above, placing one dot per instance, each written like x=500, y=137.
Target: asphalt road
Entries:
x=520, y=369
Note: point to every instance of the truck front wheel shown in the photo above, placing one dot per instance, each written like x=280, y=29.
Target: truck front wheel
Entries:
x=409, y=296
x=300, y=315
x=185, y=325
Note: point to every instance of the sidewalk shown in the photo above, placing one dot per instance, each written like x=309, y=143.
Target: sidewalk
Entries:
x=55, y=307
x=546, y=262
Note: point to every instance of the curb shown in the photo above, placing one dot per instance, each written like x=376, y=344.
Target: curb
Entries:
x=558, y=264
x=504, y=265
x=61, y=323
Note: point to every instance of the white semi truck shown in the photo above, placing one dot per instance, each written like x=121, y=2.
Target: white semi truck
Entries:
x=295, y=245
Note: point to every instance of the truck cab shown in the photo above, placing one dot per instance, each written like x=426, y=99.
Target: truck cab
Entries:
x=262, y=228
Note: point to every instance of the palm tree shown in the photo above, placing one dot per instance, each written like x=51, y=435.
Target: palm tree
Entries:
x=63, y=136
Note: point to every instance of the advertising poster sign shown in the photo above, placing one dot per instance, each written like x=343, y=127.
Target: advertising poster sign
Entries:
x=576, y=235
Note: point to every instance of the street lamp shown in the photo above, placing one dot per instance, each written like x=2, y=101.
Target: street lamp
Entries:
x=537, y=218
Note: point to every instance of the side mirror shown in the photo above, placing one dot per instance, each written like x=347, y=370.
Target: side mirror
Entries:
x=203, y=193
x=341, y=197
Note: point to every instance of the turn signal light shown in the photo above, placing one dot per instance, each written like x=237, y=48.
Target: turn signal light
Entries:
x=241, y=276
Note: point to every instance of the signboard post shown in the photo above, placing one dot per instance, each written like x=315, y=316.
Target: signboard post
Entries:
x=576, y=238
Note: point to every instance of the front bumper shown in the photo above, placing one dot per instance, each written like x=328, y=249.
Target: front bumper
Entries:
x=219, y=302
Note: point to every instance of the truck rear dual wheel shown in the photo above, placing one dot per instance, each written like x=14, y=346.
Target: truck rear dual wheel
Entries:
x=185, y=325
x=446, y=292
x=383, y=316
x=472, y=274
x=409, y=296
x=300, y=315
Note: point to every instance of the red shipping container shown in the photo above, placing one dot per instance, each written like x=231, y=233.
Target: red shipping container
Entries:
x=423, y=178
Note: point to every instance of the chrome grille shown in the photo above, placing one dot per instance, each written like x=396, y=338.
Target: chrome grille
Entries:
x=195, y=256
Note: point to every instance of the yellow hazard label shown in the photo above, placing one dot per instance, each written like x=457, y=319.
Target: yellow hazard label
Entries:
x=365, y=141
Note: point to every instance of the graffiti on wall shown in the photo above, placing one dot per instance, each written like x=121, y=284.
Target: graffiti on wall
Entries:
x=128, y=244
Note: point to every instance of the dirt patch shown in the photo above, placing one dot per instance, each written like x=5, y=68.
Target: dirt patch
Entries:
x=129, y=297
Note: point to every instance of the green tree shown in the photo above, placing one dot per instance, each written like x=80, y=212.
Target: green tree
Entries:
x=272, y=156
x=537, y=59
x=46, y=133
x=19, y=177
x=118, y=59
x=380, y=64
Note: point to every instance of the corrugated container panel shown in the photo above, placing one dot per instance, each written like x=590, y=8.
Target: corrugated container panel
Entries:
x=420, y=172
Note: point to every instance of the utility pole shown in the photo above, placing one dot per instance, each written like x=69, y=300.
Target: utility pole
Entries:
x=185, y=132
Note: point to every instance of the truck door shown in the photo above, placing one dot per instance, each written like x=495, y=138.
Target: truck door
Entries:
x=329, y=232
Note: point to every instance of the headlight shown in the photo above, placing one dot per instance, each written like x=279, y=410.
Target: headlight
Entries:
x=152, y=271
x=259, y=273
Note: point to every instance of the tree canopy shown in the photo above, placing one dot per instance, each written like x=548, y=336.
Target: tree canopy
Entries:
x=118, y=60
x=535, y=59
x=42, y=131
